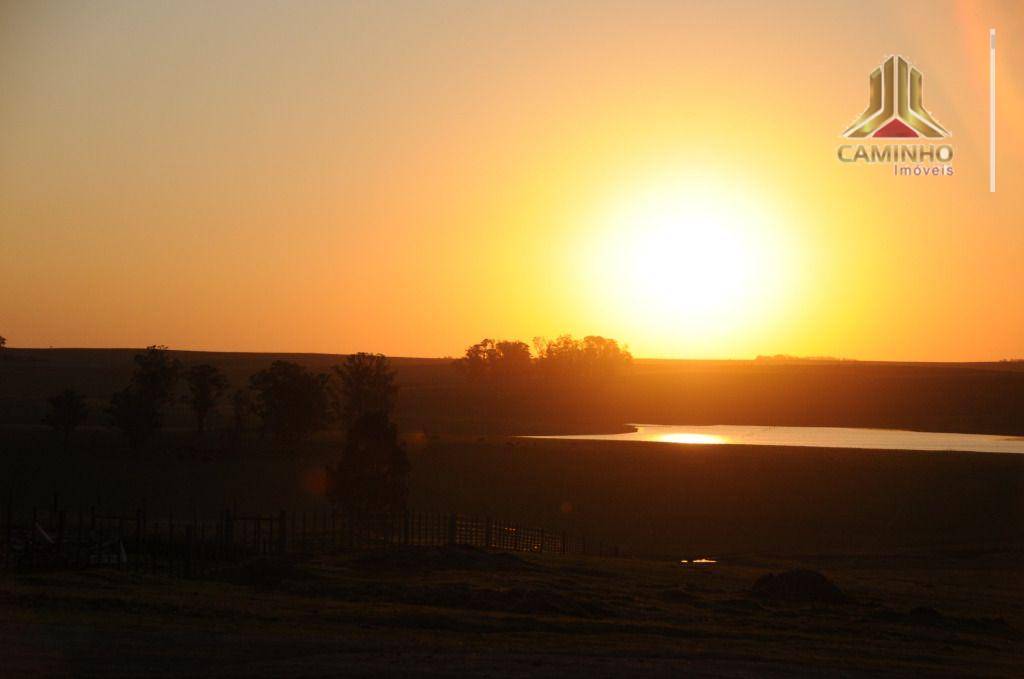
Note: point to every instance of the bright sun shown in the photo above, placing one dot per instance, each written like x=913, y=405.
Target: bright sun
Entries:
x=688, y=258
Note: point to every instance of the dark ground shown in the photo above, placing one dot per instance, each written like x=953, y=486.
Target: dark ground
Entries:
x=450, y=612
x=927, y=546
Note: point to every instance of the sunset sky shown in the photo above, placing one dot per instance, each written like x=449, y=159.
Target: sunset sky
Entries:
x=409, y=177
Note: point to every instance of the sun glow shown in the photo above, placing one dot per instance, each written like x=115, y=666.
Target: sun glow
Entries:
x=690, y=258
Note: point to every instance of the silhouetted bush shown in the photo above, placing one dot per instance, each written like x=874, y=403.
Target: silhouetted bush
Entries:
x=137, y=410
x=206, y=385
x=67, y=412
x=364, y=383
x=291, y=400
x=372, y=476
x=566, y=357
x=500, y=359
x=592, y=357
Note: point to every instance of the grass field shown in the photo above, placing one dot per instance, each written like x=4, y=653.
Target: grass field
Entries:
x=649, y=498
x=456, y=612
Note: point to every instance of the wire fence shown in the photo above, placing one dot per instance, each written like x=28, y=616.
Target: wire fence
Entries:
x=57, y=538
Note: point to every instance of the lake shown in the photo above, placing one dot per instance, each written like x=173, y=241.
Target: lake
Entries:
x=814, y=437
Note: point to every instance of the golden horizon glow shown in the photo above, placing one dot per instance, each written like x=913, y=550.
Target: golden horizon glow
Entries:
x=409, y=178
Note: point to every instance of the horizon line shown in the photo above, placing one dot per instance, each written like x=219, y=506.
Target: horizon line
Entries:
x=765, y=358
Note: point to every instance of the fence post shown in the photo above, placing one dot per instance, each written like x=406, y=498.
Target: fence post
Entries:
x=120, y=543
x=148, y=547
x=453, y=528
x=229, y=532
x=189, y=543
x=170, y=543
x=138, y=537
x=195, y=536
x=81, y=538
x=9, y=528
x=32, y=537
x=61, y=515
x=201, y=549
x=282, y=535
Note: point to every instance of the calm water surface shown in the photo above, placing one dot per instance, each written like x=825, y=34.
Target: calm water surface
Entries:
x=815, y=437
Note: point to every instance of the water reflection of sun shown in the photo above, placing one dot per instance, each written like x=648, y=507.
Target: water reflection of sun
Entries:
x=692, y=438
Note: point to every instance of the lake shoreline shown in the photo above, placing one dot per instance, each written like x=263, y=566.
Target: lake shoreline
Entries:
x=848, y=438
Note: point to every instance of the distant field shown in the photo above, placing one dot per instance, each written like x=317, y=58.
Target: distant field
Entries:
x=434, y=398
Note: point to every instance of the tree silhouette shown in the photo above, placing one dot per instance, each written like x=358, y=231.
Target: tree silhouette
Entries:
x=592, y=357
x=3, y=342
x=156, y=374
x=137, y=410
x=560, y=357
x=365, y=384
x=241, y=407
x=67, y=412
x=603, y=357
x=291, y=401
x=206, y=385
x=501, y=359
x=371, y=478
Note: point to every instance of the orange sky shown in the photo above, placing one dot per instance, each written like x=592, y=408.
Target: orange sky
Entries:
x=411, y=177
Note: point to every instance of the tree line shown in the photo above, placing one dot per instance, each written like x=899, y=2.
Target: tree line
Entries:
x=593, y=357
x=292, y=402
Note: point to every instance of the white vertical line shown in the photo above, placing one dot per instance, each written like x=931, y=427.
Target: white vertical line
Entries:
x=992, y=110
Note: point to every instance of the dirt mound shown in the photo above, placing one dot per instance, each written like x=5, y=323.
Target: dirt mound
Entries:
x=448, y=558
x=800, y=585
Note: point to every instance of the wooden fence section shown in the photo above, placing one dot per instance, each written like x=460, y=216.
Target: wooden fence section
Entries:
x=189, y=546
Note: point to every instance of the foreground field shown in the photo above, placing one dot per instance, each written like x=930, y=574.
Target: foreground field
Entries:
x=454, y=611
x=653, y=499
